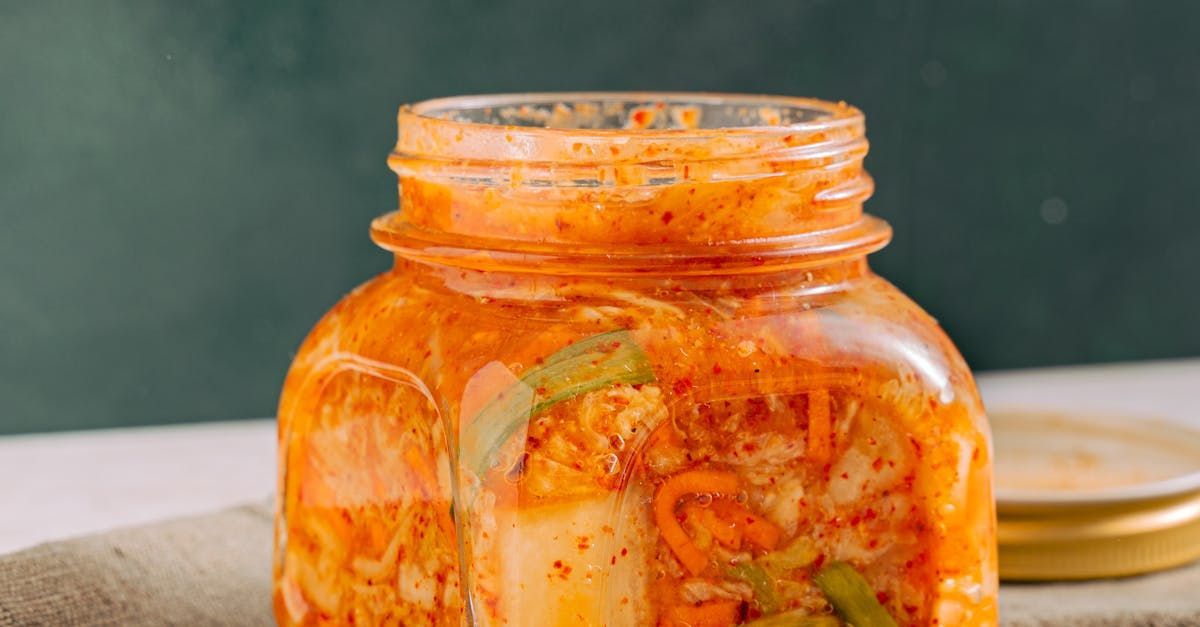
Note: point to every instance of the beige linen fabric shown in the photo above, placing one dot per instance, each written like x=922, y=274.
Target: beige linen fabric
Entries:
x=215, y=570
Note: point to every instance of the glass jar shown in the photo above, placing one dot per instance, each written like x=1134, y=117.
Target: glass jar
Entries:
x=631, y=368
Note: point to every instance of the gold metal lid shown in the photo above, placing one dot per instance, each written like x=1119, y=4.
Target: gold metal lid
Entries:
x=1088, y=496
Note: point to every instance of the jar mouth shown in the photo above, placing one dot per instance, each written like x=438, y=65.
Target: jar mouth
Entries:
x=635, y=111
x=624, y=127
x=662, y=182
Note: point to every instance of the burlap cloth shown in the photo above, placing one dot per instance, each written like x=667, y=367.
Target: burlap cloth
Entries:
x=215, y=570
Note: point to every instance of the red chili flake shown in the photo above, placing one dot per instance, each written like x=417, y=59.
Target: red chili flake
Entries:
x=681, y=386
x=869, y=514
x=854, y=520
x=686, y=170
x=873, y=543
x=817, y=562
x=882, y=597
x=716, y=368
x=641, y=117
x=613, y=561
x=558, y=563
x=877, y=464
x=911, y=609
x=584, y=543
x=667, y=216
x=845, y=475
x=606, y=529
x=624, y=551
x=916, y=445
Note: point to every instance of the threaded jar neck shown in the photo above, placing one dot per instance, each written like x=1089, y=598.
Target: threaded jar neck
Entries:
x=630, y=178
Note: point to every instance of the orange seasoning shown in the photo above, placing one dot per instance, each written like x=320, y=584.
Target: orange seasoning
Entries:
x=631, y=368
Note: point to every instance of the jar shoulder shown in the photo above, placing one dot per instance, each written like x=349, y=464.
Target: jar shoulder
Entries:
x=378, y=312
x=868, y=329
x=878, y=324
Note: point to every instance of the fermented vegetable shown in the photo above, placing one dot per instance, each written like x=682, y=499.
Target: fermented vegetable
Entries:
x=631, y=368
x=852, y=596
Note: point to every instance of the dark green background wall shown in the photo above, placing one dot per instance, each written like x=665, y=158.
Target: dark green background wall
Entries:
x=185, y=187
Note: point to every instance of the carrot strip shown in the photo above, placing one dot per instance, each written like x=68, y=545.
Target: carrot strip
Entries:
x=668, y=496
x=819, y=426
x=711, y=614
x=757, y=530
x=420, y=465
x=427, y=476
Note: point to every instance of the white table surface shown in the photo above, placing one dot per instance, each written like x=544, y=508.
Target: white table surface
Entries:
x=59, y=485
x=55, y=486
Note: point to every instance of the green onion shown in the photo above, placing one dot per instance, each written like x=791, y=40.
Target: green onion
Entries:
x=851, y=596
x=795, y=618
x=765, y=598
x=585, y=366
x=800, y=553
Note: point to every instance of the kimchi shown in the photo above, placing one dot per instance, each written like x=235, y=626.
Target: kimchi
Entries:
x=631, y=368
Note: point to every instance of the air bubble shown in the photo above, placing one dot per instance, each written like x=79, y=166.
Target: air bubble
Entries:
x=612, y=464
x=616, y=441
x=704, y=500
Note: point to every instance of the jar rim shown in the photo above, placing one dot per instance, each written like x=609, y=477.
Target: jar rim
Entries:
x=635, y=182
x=623, y=127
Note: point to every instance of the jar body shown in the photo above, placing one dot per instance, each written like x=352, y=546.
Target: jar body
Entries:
x=471, y=447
